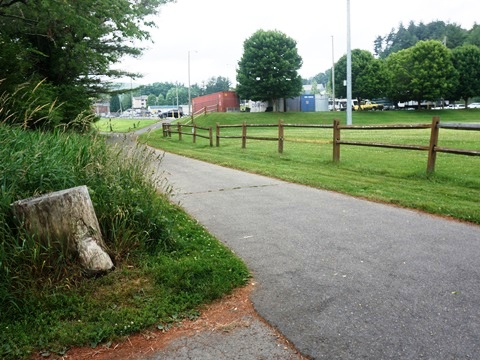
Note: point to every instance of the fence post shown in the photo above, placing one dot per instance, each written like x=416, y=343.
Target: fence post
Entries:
x=179, y=131
x=244, y=135
x=164, y=129
x=432, y=154
x=217, y=134
x=194, y=130
x=169, y=130
x=210, y=135
x=280, y=136
x=336, y=139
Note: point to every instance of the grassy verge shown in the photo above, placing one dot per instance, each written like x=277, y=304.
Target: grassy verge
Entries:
x=392, y=176
x=167, y=265
x=118, y=125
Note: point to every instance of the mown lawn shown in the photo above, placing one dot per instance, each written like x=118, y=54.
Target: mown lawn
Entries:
x=385, y=175
x=119, y=125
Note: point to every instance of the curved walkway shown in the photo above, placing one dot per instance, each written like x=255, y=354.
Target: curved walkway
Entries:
x=340, y=277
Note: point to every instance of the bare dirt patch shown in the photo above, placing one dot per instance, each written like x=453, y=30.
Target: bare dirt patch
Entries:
x=224, y=315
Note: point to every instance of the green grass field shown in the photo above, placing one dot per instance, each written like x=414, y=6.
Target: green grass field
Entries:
x=119, y=125
x=384, y=175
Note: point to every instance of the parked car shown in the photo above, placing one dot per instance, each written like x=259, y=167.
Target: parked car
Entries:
x=474, y=106
x=174, y=113
x=367, y=105
x=455, y=106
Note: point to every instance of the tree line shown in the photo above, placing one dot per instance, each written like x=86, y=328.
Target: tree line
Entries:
x=433, y=62
x=451, y=35
x=167, y=93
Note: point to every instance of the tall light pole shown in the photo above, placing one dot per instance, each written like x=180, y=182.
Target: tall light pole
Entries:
x=189, y=93
x=189, y=87
x=176, y=91
x=349, y=69
x=333, y=77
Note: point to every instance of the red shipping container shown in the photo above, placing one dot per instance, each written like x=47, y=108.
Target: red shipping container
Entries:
x=219, y=102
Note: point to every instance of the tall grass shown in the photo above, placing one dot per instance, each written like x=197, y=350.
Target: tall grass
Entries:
x=34, y=105
x=34, y=163
x=46, y=302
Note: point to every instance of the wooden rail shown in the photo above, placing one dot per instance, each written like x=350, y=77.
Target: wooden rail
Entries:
x=281, y=132
x=244, y=136
x=167, y=131
x=337, y=138
x=204, y=111
x=432, y=148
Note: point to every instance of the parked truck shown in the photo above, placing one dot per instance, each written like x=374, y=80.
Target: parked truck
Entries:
x=368, y=105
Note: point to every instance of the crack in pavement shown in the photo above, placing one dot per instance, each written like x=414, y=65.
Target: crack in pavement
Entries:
x=224, y=189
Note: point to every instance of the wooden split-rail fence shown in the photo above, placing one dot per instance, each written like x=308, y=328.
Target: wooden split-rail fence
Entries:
x=433, y=148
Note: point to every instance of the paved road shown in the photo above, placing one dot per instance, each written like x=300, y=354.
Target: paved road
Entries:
x=340, y=277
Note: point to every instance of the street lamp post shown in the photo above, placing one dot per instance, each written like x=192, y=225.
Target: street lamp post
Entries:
x=333, y=78
x=189, y=91
x=349, y=69
x=176, y=91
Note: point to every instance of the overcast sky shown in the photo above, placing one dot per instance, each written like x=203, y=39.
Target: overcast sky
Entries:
x=213, y=31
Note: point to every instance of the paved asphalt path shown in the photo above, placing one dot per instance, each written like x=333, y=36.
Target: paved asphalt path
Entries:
x=340, y=277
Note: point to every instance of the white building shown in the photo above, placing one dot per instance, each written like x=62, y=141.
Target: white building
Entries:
x=139, y=102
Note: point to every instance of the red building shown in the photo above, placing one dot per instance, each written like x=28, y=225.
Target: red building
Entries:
x=222, y=101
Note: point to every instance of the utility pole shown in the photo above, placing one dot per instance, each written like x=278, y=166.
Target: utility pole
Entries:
x=333, y=77
x=189, y=93
x=349, y=69
x=176, y=90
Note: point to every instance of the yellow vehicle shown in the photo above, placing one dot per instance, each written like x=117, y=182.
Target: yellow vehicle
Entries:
x=368, y=105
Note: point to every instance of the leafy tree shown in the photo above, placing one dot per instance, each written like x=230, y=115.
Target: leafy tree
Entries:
x=378, y=46
x=435, y=30
x=157, y=88
x=196, y=90
x=268, y=69
x=466, y=60
x=323, y=78
x=177, y=92
x=161, y=100
x=421, y=32
x=71, y=44
x=399, y=77
x=451, y=34
x=114, y=103
x=216, y=84
x=422, y=72
x=473, y=37
x=455, y=36
x=151, y=100
x=368, y=76
x=126, y=101
x=402, y=39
